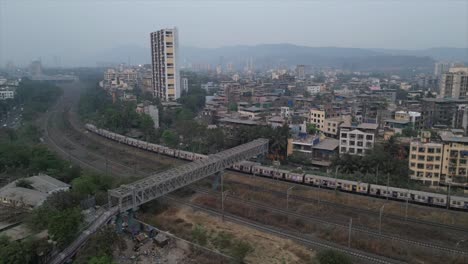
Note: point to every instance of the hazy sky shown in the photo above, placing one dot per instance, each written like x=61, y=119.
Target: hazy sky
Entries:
x=72, y=29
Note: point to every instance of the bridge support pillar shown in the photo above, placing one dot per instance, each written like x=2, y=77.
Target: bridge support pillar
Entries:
x=220, y=174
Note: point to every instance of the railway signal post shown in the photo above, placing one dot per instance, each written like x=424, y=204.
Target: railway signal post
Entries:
x=380, y=218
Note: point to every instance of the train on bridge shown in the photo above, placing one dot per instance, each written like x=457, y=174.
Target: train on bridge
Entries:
x=380, y=191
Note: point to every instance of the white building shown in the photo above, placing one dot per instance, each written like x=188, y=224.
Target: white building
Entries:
x=357, y=140
x=6, y=94
x=150, y=110
x=164, y=51
x=209, y=86
x=285, y=112
x=185, y=84
x=314, y=89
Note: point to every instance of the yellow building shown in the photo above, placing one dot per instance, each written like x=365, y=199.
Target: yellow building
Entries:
x=331, y=126
x=317, y=117
x=444, y=162
x=455, y=165
x=425, y=162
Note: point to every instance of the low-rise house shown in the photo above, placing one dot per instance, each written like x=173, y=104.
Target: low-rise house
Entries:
x=31, y=196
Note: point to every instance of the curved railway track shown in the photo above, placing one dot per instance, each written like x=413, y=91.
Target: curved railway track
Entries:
x=52, y=138
x=257, y=205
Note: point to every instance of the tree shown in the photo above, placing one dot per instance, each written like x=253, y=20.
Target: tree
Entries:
x=240, y=250
x=169, y=138
x=24, y=183
x=64, y=225
x=199, y=235
x=13, y=252
x=333, y=257
x=312, y=129
x=409, y=132
x=101, y=260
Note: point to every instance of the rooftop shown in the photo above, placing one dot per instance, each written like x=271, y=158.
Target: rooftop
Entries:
x=327, y=144
x=237, y=121
x=27, y=196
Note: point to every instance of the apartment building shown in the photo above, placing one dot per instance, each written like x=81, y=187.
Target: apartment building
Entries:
x=440, y=162
x=331, y=126
x=317, y=117
x=7, y=93
x=357, y=140
x=455, y=159
x=164, y=51
x=425, y=161
x=440, y=112
x=454, y=83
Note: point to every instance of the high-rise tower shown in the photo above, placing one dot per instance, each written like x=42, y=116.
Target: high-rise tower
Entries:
x=164, y=57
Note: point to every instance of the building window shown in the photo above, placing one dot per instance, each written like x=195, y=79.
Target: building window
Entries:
x=344, y=135
x=369, y=137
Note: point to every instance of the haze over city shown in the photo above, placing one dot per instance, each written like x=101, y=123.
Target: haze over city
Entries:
x=222, y=132
x=79, y=31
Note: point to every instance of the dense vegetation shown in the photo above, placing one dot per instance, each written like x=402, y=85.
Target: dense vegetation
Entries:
x=35, y=97
x=386, y=163
x=97, y=106
x=332, y=257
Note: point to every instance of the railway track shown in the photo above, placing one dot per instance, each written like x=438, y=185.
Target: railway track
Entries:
x=53, y=137
x=300, y=198
x=303, y=239
x=348, y=207
x=326, y=222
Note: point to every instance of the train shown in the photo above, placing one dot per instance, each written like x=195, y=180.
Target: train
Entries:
x=255, y=168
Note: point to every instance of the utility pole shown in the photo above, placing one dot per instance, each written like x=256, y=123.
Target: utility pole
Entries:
x=377, y=174
x=223, y=197
x=288, y=191
x=380, y=218
x=107, y=162
x=336, y=172
x=448, y=196
x=388, y=183
x=318, y=195
x=349, y=232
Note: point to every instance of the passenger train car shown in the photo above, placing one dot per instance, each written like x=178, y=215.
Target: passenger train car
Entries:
x=399, y=194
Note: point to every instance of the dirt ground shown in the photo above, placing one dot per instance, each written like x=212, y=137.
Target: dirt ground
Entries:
x=433, y=214
x=149, y=253
x=268, y=249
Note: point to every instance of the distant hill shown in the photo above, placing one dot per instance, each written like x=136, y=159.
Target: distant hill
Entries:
x=271, y=55
x=448, y=54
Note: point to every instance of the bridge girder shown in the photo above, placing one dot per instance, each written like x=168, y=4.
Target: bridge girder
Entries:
x=132, y=195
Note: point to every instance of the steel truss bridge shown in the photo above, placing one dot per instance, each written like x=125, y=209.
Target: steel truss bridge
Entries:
x=130, y=196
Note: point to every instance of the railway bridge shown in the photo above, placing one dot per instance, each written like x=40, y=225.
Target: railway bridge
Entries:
x=130, y=196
